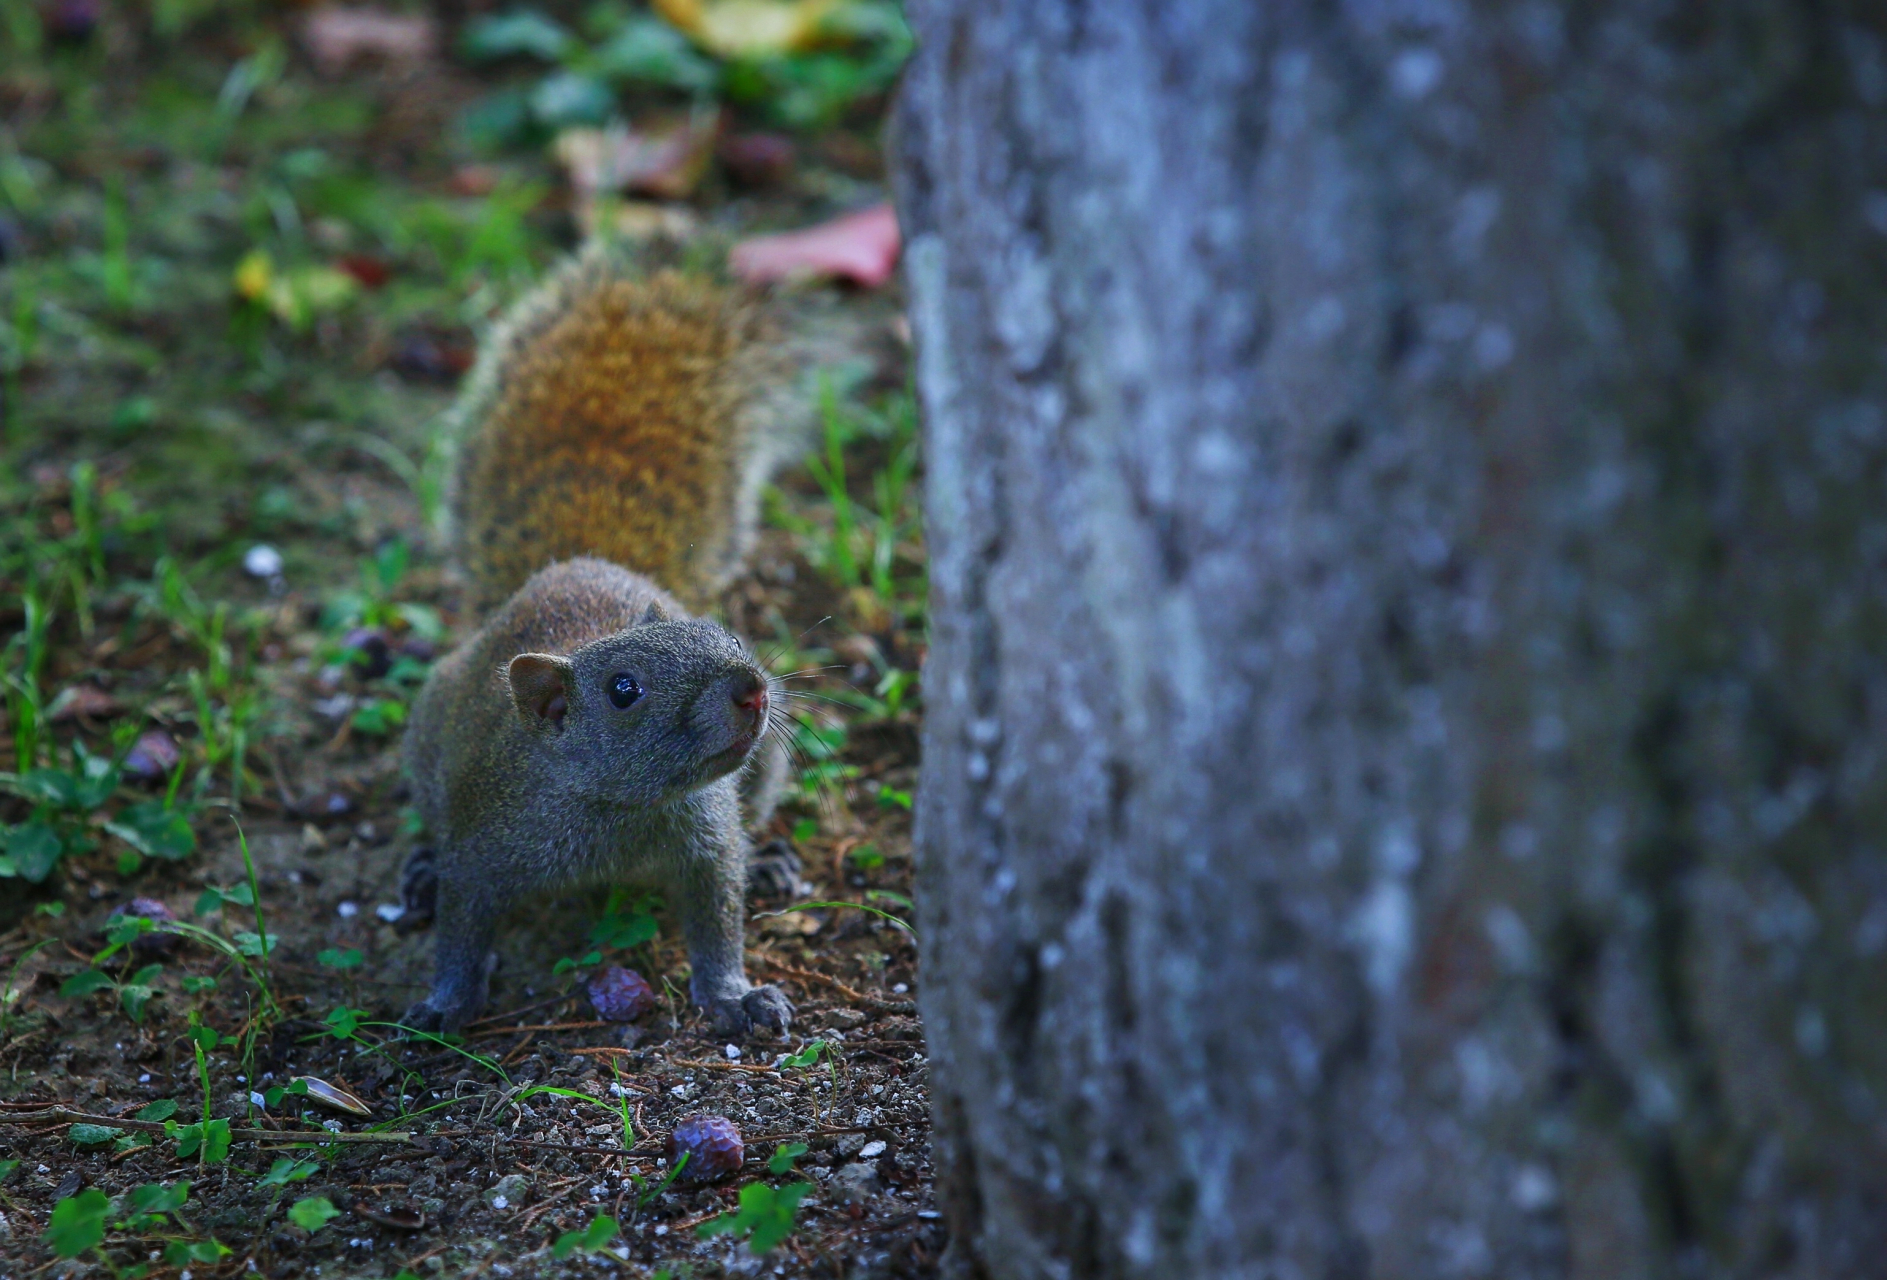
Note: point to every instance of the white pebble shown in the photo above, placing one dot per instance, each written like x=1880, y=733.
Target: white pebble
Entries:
x=661, y=1230
x=389, y=911
x=732, y=1051
x=870, y=1149
x=499, y=1202
x=262, y=561
x=900, y=988
x=145, y=1078
x=257, y=1100
x=598, y=1191
x=348, y=910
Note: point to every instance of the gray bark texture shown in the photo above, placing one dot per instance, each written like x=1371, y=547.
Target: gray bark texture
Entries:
x=1404, y=788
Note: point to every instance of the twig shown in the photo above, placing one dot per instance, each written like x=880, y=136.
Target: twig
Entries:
x=546, y=1026
x=66, y=1115
x=850, y=993
x=512, y=1013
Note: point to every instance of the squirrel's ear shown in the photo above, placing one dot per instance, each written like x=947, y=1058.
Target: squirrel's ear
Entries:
x=652, y=614
x=540, y=687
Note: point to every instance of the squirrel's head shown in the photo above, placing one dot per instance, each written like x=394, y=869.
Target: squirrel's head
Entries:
x=651, y=712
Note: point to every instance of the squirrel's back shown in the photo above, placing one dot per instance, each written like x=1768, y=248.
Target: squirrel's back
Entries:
x=618, y=413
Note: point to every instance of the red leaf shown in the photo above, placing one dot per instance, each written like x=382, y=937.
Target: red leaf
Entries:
x=861, y=247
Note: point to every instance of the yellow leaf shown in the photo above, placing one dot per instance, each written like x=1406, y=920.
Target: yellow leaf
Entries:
x=253, y=274
x=748, y=28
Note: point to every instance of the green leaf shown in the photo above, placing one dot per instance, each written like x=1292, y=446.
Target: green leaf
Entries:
x=78, y=1223
x=342, y=1021
x=333, y=959
x=777, y=1224
x=155, y=1197
x=205, y=1038
x=285, y=1171
x=181, y=1253
x=7, y=1167
x=601, y=1231
x=216, y=1139
x=33, y=849
x=250, y=944
x=784, y=1155
x=196, y=986
x=805, y=1057
x=134, y=996
x=650, y=51
x=379, y=716
x=522, y=31
x=313, y=1213
x=569, y=97
x=83, y=984
x=155, y=831
x=125, y=928
x=162, y=1109
x=91, y=1135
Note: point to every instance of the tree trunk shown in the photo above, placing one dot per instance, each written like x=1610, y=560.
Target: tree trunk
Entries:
x=1405, y=783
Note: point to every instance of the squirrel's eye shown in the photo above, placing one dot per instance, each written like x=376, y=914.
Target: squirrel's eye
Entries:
x=623, y=689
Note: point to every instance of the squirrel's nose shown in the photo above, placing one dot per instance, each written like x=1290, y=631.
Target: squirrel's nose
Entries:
x=750, y=696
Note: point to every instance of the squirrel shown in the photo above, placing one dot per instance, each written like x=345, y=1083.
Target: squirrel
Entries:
x=613, y=438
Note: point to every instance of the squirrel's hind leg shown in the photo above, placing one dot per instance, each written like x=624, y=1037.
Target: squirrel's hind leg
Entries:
x=462, y=932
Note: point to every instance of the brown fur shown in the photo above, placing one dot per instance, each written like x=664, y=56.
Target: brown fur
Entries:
x=608, y=423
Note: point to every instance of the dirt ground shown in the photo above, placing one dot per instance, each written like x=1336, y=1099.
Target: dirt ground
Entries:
x=158, y=432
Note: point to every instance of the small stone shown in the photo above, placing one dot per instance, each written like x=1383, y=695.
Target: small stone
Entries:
x=512, y=1189
x=872, y=1150
x=312, y=841
x=733, y=1052
x=348, y=910
x=712, y=1145
x=854, y=1182
x=389, y=911
x=262, y=561
x=621, y=995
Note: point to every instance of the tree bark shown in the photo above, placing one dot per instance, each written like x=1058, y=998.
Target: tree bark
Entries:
x=1404, y=784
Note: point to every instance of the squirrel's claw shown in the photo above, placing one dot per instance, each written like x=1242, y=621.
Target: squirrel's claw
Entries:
x=424, y=1017
x=762, y=1006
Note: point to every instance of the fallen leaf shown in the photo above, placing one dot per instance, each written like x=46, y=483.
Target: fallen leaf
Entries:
x=337, y=36
x=643, y=220
x=370, y=271
x=758, y=159
x=665, y=160
x=862, y=247
x=83, y=702
x=399, y=1217
x=748, y=28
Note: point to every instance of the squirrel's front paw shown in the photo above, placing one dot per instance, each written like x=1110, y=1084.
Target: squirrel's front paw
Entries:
x=762, y=1006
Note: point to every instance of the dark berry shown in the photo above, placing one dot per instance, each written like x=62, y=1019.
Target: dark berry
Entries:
x=712, y=1145
x=621, y=995
x=148, y=944
x=151, y=757
x=367, y=652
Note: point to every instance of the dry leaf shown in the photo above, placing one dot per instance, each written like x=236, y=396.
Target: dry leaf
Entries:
x=861, y=247
x=83, y=702
x=665, y=160
x=336, y=37
x=748, y=28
